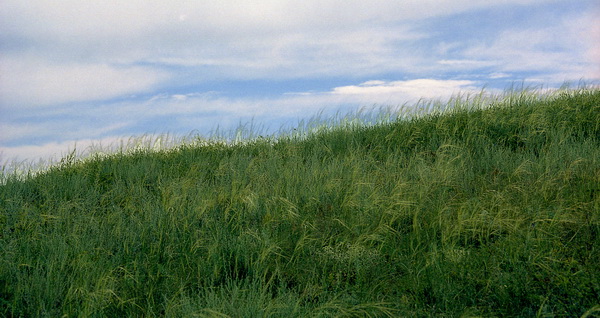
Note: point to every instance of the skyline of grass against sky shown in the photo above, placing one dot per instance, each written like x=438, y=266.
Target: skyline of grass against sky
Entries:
x=99, y=71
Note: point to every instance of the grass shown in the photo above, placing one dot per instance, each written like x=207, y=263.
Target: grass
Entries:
x=485, y=209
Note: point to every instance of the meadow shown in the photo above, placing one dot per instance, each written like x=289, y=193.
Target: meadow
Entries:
x=490, y=207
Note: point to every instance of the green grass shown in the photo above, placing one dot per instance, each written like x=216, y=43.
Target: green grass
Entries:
x=479, y=210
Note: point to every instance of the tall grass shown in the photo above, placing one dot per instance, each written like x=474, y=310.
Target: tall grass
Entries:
x=491, y=207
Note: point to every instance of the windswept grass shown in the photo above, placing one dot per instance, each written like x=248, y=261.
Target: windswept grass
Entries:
x=490, y=208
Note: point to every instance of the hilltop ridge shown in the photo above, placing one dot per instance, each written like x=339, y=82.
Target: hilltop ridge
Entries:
x=472, y=211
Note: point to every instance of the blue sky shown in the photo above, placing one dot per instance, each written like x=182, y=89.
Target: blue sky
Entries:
x=95, y=72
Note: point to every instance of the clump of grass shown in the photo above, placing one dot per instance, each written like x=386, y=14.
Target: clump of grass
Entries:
x=489, y=206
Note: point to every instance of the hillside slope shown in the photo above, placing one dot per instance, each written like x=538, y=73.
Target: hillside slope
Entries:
x=490, y=211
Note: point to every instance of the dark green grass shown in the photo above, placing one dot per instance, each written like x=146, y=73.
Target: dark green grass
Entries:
x=492, y=212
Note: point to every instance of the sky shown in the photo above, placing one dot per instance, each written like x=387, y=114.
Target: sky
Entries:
x=79, y=73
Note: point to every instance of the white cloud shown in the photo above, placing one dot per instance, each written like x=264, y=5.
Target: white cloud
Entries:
x=32, y=81
x=497, y=75
x=587, y=31
x=268, y=35
x=563, y=51
x=467, y=64
x=138, y=17
x=398, y=92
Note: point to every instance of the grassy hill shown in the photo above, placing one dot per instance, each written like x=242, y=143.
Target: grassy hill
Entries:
x=489, y=211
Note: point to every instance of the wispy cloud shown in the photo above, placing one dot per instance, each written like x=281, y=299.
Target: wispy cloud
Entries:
x=258, y=39
x=405, y=90
x=566, y=49
x=33, y=82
